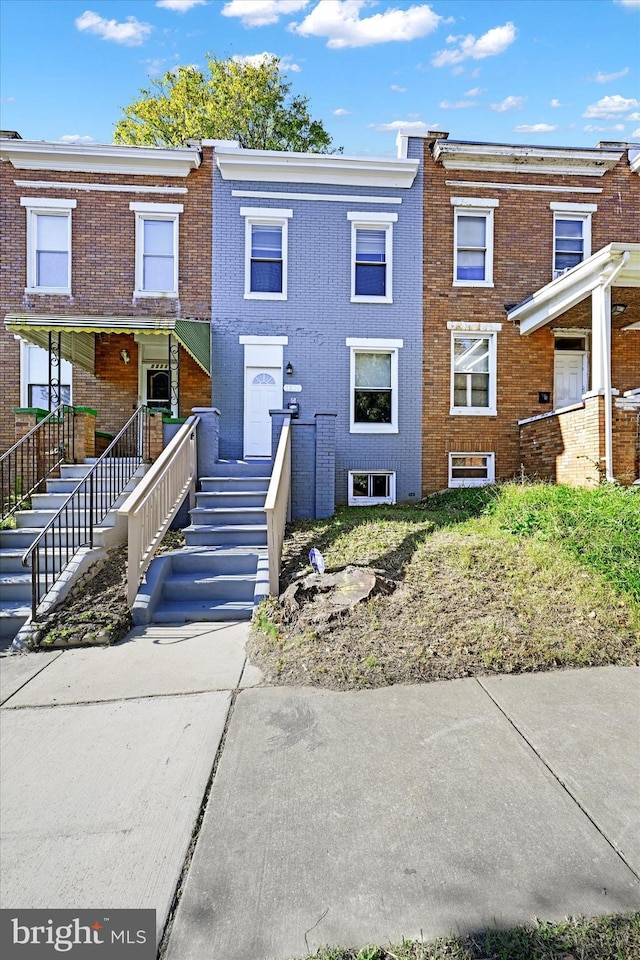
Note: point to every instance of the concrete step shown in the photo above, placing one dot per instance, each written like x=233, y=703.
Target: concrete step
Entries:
x=236, y=499
x=236, y=484
x=23, y=537
x=243, y=468
x=204, y=588
x=232, y=535
x=12, y=617
x=235, y=516
x=11, y=562
x=15, y=587
x=40, y=518
x=215, y=560
x=59, y=487
x=193, y=612
x=69, y=471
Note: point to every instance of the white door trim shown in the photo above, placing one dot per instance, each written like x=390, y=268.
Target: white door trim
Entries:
x=261, y=354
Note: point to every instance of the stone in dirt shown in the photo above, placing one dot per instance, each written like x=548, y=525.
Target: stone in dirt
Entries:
x=319, y=597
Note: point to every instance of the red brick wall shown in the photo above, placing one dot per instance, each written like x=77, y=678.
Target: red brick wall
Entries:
x=103, y=275
x=523, y=255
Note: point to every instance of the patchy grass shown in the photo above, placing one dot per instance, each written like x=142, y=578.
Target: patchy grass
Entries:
x=577, y=938
x=507, y=579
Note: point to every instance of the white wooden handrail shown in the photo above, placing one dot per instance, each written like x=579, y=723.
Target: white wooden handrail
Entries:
x=154, y=503
x=277, y=505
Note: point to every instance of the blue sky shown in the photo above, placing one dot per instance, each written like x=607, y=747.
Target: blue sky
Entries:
x=562, y=72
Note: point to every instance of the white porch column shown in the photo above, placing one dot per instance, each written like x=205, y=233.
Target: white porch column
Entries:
x=600, y=338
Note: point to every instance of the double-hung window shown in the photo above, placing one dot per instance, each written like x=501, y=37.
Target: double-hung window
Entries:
x=48, y=245
x=473, y=368
x=156, y=249
x=266, y=253
x=374, y=385
x=571, y=235
x=372, y=257
x=473, y=242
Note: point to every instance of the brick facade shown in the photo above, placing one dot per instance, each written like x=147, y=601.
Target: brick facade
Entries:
x=103, y=278
x=523, y=259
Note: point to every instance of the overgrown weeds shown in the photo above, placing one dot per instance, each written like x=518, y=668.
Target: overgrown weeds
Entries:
x=507, y=579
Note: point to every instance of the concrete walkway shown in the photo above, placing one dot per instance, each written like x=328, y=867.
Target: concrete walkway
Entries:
x=332, y=818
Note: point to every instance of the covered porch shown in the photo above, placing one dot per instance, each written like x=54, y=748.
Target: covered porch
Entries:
x=597, y=435
x=120, y=363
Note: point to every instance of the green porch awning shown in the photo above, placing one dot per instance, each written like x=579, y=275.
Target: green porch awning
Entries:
x=78, y=334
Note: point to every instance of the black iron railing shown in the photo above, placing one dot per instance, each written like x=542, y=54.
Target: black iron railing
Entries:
x=74, y=524
x=27, y=464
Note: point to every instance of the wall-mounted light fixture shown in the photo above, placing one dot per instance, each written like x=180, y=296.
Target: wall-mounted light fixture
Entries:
x=124, y=356
x=289, y=370
x=617, y=309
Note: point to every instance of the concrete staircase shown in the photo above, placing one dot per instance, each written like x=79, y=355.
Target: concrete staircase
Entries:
x=222, y=572
x=15, y=580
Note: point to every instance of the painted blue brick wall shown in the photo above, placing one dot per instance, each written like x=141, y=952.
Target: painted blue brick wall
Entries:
x=318, y=316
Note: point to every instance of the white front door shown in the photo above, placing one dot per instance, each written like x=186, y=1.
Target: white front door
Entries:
x=262, y=392
x=569, y=378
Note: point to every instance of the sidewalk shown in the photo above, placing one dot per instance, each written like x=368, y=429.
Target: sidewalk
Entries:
x=333, y=818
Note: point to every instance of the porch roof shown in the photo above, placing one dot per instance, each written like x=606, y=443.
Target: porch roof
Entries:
x=78, y=340
x=622, y=260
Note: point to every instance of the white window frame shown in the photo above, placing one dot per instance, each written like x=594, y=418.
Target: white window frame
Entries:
x=467, y=481
x=354, y=501
x=155, y=211
x=269, y=217
x=478, y=331
x=370, y=345
x=45, y=206
x=473, y=207
x=572, y=211
x=373, y=221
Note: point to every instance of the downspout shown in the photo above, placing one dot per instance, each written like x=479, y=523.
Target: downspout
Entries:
x=606, y=353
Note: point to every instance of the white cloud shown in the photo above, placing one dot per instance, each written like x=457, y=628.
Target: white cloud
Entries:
x=75, y=138
x=397, y=89
x=8, y=100
x=458, y=105
x=405, y=126
x=261, y=13
x=340, y=22
x=594, y=128
x=154, y=65
x=601, y=77
x=535, y=128
x=629, y=3
x=555, y=103
x=636, y=134
x=341, y=112
x=257, y=59
x=609, y=108
x=132, y=32
x=490, y=44
x=474, y=92
x=632, y=116
x=180, y=6
x=509, y=103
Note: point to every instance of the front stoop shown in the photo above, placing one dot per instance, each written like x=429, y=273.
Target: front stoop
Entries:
x=15, y=580
x=223, y=572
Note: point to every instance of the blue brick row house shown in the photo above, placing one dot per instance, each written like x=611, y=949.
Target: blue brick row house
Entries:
x=317, y=308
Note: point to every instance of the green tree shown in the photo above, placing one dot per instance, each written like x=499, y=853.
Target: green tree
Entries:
x=252, y=104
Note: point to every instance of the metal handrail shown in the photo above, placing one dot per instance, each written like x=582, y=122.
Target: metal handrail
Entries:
x=154, y=503
x=33, y=458
x=278, y=504
x=73, y=525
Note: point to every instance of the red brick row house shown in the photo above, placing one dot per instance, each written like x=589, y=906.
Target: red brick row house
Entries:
x=105, y=280
x=531, y=312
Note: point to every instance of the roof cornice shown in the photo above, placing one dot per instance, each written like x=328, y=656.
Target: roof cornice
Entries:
x=511, y=158
x=280, y=167
x=100, y=158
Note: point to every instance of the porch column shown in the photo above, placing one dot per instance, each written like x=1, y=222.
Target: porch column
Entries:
x=601, y=379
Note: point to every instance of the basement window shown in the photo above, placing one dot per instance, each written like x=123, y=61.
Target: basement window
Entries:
x=367, y=488
x=471, y=469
